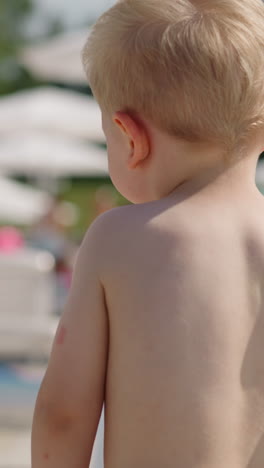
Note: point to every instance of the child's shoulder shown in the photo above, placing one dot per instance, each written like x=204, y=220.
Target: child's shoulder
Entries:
x=109, y=238
x=128, y=219
x=112, y=230
x=113, y=222
x=127, y=225
x=124, y=216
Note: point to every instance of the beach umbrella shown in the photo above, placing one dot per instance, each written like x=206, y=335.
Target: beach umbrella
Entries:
x=53, y=110
x=58, y=59
x=41, y=154
x=21, y=204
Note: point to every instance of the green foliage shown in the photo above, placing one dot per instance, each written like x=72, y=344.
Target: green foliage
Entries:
x=12, y=16
x=82, y=192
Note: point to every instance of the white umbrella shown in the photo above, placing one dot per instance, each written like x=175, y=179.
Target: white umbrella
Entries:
x=44, y=155
x=53, y=110
x=58, y=59
x=21, y=204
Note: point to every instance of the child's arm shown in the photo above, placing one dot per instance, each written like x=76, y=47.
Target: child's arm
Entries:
x=72, y=393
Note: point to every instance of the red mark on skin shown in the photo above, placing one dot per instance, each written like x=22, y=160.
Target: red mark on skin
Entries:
x=61, y=335
x=46, y=456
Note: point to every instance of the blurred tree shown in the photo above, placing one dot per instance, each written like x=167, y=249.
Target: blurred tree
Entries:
x=12, y=16
x=56, y=26
x=12, y=13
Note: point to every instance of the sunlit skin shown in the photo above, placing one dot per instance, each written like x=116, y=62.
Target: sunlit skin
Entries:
x=164, y=322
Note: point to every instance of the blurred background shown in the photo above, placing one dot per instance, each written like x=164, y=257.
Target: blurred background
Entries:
x=53, y=183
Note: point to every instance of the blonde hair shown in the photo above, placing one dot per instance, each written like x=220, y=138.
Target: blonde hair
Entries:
x=195, y=68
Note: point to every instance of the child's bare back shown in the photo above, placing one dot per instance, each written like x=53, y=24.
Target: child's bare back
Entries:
x=185, y=384
x=164, y=323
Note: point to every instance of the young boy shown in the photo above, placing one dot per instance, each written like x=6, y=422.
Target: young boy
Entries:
x=165, y=320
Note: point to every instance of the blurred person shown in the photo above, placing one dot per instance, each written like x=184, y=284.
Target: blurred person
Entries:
x=51, y=234
x=164, y=321
x=64, y=268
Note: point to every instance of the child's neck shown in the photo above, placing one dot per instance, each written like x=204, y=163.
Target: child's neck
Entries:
x=211, y=174
x=237, y=179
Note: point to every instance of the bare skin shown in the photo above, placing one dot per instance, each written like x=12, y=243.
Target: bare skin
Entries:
x=187, y=334
x=164, y=324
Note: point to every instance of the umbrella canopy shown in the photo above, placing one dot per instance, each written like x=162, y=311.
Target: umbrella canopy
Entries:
x=43, y=155
x=58, y=59
x=21, y=204
x=53, y=110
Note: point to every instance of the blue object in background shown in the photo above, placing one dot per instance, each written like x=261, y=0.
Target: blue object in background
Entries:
x=19, y=386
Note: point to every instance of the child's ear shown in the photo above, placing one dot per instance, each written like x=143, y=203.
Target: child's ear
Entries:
x=138, y=138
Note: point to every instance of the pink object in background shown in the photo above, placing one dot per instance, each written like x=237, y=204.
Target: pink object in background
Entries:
x=10, y=239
